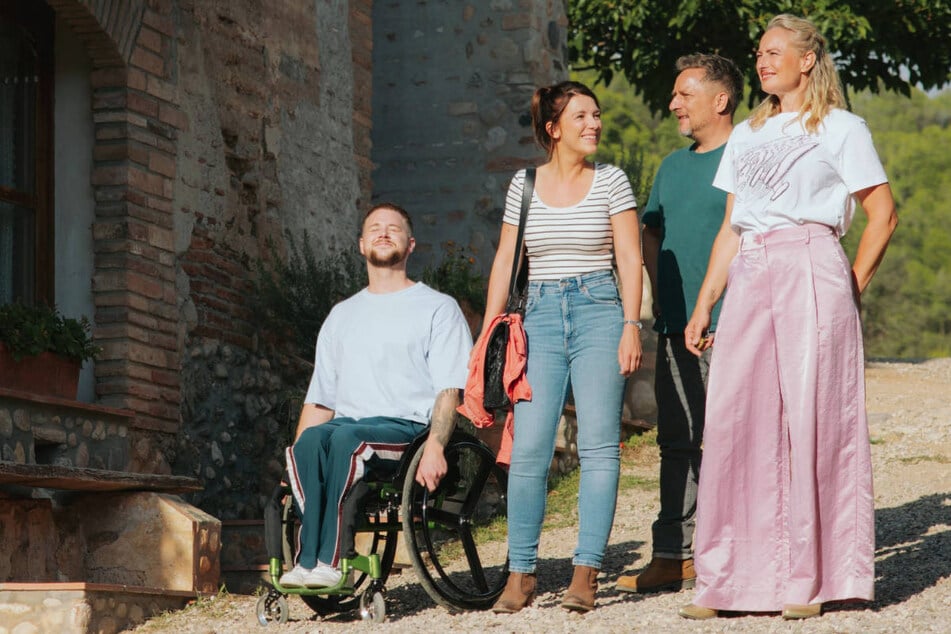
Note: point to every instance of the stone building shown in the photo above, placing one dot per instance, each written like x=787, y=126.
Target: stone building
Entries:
x=154, y=148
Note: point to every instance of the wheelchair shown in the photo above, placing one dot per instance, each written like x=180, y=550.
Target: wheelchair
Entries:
x=441, y=531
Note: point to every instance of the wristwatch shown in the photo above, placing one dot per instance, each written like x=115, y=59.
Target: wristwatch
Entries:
x=634, y=322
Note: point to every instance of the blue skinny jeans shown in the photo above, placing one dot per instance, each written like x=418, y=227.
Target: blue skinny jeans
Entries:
x=574, y=327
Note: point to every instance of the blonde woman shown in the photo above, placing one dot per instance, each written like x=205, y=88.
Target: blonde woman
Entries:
x=785, y=511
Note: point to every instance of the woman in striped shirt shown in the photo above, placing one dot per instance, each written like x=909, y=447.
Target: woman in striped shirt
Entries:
x=581, y=319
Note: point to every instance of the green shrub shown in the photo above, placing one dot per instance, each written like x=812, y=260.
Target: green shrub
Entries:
x=295, y=296
x=31, y=330
x=457, y=277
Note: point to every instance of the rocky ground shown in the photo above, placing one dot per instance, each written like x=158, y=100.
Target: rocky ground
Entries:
x=909, y=408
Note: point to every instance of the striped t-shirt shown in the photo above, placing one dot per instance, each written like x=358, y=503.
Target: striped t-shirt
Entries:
x=570, y=241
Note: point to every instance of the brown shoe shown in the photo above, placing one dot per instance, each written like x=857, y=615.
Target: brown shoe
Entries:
x=660, y=575
x=580, y=594
x=792, y=611
x=519, y=593
x=697, y=613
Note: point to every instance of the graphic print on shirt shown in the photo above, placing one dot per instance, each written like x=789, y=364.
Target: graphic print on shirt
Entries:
x=762, y=170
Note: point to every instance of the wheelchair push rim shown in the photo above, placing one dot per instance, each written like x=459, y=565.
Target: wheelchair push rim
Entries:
x=470, y=496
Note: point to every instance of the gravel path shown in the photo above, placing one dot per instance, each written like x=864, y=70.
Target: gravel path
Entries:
x=910, y=411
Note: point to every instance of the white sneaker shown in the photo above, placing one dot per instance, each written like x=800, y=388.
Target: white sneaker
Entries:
x=322, y=576
x=294, y=578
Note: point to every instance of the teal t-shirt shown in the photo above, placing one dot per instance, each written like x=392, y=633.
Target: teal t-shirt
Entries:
x=688, y=210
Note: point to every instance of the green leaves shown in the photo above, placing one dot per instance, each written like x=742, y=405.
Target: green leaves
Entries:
x=890, y=45
x=458, y=277
x=295, y=295
x=907, y=308
x=31, y=330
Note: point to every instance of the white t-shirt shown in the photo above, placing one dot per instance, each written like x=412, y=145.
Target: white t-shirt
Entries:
x=390, y=354
x=782, y=176
x=568, y=241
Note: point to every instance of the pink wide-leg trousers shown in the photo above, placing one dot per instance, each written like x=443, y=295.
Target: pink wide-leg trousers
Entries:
x=785, y=509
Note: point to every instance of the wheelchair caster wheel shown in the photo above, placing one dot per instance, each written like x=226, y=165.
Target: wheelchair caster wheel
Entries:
x=372, y=606
x=272, y=608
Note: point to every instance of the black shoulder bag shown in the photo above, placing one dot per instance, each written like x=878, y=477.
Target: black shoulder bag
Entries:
x=495, y=396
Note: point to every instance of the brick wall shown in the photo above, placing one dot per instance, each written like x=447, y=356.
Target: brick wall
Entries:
x=137, y=122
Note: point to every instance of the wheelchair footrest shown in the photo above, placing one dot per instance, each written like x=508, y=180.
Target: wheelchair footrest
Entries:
x=369, y=564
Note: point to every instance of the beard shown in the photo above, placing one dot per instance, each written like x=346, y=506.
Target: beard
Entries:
x=392, y=258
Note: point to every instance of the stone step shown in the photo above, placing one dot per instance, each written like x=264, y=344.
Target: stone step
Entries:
x=83, y=608
x=49, y=430
x=85, y=555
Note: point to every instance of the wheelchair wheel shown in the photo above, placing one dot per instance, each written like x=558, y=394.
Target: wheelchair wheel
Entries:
x=445, y=531
x=372, y=606
x=272, y=608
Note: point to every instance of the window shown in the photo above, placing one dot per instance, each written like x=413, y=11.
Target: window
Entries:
x=26, y=211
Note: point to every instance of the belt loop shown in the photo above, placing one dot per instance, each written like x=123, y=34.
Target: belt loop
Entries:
x=808, y=233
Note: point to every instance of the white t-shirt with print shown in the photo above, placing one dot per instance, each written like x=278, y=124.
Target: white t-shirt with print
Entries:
x=568, y=241
x=782, y=176
x=390, y=354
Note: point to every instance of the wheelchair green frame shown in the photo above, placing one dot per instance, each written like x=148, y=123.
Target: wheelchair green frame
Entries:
x=450, y=510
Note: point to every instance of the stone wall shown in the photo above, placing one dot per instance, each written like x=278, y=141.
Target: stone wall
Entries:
x=52, y=431
x=277, y=98
x=242, y=408
x=81, y=608
x=278, y=114
x=453, y=86
x=33, y=432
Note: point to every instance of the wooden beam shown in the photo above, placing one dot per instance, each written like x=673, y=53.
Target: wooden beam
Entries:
x=80, y=479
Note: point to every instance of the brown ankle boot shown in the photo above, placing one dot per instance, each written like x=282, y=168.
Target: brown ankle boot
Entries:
x=661, y=574
x=519, y=593
x=580, y=594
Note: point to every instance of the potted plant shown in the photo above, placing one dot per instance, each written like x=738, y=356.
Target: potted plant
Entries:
x=41, y=351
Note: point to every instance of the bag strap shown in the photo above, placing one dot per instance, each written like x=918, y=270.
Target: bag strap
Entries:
x=516, y=301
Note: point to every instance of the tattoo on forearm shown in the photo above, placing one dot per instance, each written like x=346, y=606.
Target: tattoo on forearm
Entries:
x=444, y=414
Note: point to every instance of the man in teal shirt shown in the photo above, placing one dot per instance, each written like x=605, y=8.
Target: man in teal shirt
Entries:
x=681, y=220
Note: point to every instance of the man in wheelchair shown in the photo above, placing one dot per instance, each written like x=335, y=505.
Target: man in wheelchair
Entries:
x=390, y=360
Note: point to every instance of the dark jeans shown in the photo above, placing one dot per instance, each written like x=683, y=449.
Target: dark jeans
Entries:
x=680, y=388
x=326, y=462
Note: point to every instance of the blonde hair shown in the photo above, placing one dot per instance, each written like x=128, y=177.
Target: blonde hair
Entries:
x=823, y=90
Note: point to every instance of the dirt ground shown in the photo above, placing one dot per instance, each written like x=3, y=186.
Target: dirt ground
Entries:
x=909, y=406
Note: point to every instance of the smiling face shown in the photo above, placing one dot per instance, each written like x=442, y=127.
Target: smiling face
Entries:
x=579, y=127
x=695, y=102
x=782, y=68
x=386, y=240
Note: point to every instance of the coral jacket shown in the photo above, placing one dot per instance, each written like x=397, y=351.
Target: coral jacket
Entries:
x=513, y=377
